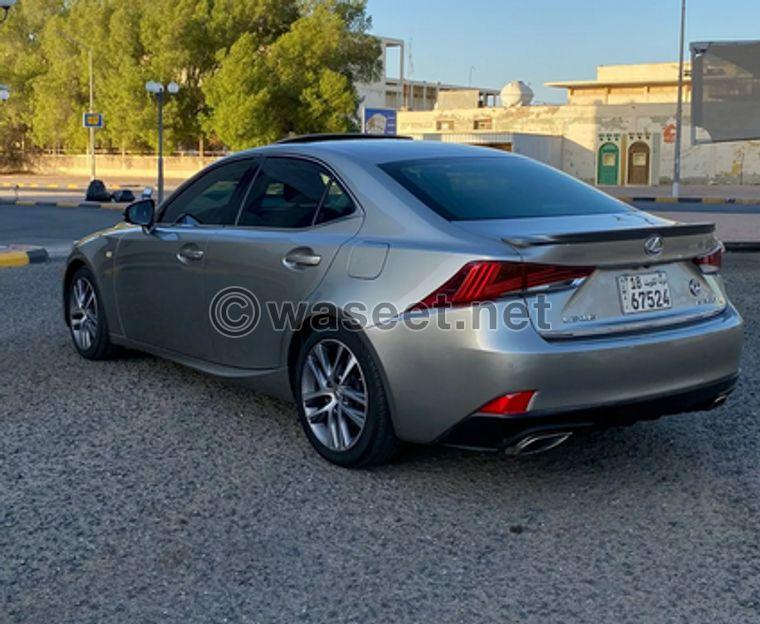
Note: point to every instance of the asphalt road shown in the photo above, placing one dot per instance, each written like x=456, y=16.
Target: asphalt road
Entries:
x=53, y=228
x=140, y=491
x=57, y=228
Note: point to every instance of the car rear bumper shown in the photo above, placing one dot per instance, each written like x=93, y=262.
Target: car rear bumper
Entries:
x=438, y=378
x=486, y=432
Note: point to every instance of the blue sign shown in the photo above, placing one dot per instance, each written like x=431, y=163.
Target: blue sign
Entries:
x=92, y=120
x=379, y=121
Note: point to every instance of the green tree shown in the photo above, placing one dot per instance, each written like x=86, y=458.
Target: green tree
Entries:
x=302, y=82
x=61, y=93
x=21, y=62
x=250, y=71
x=182, y=39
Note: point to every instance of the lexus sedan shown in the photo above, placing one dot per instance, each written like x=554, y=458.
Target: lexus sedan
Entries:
x=410, y=291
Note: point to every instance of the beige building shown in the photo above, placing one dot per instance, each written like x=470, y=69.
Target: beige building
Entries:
x=395, y=90
x=616, y=129
x=648, y=83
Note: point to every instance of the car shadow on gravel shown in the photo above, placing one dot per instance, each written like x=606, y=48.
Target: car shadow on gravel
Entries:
x=673, y=444
x=646, y=440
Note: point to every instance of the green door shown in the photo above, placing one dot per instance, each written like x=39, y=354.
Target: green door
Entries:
x=609, y=165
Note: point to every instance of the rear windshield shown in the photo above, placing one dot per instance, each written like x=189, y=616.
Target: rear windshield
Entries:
x=471, y=189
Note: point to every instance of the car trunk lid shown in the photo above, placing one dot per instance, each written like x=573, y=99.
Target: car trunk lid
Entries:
x=644, y=276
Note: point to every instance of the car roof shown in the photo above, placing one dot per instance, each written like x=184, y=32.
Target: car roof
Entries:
x=377, y=152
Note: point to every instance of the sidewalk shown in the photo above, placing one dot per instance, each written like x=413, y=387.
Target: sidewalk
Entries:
x=690, y=193
x=738, y=231
x=704, y=193
x=61, y=182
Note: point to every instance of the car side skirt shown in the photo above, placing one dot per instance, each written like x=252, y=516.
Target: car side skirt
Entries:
x=273, y=382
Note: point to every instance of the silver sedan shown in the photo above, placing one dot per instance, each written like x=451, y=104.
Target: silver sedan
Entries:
x=415, y=291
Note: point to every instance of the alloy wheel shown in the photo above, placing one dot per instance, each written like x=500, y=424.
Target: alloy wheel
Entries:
x=334, y=395
x=83, y=313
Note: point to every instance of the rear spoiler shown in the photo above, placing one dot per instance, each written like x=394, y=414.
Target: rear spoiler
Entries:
x=606, y=236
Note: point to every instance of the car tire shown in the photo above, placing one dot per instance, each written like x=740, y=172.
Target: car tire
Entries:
x=325, y=376
x=86, y=317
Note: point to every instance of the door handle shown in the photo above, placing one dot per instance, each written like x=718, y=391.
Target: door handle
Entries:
x=302, y=257
x=190, y=253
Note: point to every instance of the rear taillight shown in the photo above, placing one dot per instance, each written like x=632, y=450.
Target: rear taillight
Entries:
x=486, y=280
x=711, y=263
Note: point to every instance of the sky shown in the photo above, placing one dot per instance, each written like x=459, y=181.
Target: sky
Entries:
x=539, y=41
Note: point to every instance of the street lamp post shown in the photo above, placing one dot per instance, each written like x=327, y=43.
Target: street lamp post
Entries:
x=679, y=107
x=157, y=89
x=5, y=6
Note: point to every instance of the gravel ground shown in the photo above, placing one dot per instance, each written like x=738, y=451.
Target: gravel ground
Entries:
x=140, y=491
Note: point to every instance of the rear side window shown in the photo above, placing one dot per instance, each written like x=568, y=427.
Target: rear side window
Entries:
x=473, y=189
x=336, y=204
x=290, y=193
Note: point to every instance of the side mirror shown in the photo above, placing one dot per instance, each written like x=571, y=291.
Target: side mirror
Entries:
x=141, y=213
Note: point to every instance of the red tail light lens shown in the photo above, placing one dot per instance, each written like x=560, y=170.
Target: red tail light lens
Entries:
x=712, y=262
x=509, y=404
x=486, y=280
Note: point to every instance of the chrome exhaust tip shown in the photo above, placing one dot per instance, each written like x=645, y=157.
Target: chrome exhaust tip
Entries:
x=719, y=401
x=536, y=443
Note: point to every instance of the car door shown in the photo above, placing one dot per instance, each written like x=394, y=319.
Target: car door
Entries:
x=160, y=274
x=293, y=221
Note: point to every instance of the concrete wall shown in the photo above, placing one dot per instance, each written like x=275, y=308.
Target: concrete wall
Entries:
x=639, y=72
x=458, y=99
x=579, y=127
x=179, y=167
x=548, y=150
x=654, y=94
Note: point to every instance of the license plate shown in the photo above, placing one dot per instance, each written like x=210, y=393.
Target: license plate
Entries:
x=644, y=292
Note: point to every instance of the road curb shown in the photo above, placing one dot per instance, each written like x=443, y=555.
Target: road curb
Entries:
x=692, y=200
x=35, y=186
x=50, y=204
x=749, y=246
x=20, y=255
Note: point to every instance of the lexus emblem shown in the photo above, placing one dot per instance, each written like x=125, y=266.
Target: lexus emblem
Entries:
x=654, y=245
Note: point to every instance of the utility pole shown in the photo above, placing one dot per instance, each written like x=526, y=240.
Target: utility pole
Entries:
x=679, y=107
x=92, y=110
x=402, y=81
x=90, y=69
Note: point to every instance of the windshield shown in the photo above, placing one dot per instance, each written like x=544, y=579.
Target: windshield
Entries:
x=470, y=189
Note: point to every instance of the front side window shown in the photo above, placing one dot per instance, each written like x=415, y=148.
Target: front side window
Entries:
x=465, y=189
x=214, y=198
x=290, y=193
